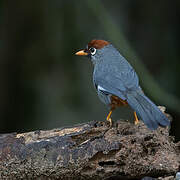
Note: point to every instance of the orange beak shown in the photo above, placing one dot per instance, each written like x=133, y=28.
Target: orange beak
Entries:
x=81, y=53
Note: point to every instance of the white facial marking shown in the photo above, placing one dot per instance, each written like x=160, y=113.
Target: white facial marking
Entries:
x=92, y=51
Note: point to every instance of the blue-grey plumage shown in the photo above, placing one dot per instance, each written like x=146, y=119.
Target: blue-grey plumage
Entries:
x=147, y=110
x=113, y=73
x=114, y=76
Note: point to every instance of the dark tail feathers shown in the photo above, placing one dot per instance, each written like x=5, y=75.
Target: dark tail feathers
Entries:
x=146, y=110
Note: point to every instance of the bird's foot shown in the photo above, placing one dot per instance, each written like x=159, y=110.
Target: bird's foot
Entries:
x=136, y=122
x=108, y=118
x=110, y=122
x=136, y=119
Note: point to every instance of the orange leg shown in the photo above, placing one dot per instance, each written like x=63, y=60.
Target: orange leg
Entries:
x=136, y=118
x=108, y=118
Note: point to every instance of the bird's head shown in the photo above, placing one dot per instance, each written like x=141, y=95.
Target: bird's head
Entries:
x=93, y=49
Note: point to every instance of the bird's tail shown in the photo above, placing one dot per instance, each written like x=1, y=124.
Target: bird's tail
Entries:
x=147, y=111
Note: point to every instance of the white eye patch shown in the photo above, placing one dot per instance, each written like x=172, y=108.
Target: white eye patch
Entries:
x=92, y=51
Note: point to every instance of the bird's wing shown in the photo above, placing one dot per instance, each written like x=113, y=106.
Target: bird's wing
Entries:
x=115, y=82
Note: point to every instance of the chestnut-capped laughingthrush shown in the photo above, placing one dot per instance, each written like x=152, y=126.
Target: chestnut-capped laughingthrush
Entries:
x=117, y=84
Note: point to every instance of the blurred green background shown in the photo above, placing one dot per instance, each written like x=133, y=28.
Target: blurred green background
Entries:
x=44, y=85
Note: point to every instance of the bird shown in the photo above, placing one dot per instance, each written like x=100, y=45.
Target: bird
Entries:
x=117, y=84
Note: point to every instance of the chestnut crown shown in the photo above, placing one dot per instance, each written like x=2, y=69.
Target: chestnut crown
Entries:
x=92, y=47
x=95, y=44
x=98, y=44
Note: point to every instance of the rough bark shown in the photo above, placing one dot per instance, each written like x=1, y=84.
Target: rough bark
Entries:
x=89, y=151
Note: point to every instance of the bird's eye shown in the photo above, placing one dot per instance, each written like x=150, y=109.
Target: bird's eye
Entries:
x=92, y=51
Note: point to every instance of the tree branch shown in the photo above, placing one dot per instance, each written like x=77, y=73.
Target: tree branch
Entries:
x=89, y=151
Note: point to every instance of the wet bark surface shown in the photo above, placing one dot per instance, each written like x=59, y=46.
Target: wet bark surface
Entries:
x=90, y=151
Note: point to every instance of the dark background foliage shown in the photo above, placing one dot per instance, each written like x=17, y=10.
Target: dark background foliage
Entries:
x=43, y=85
